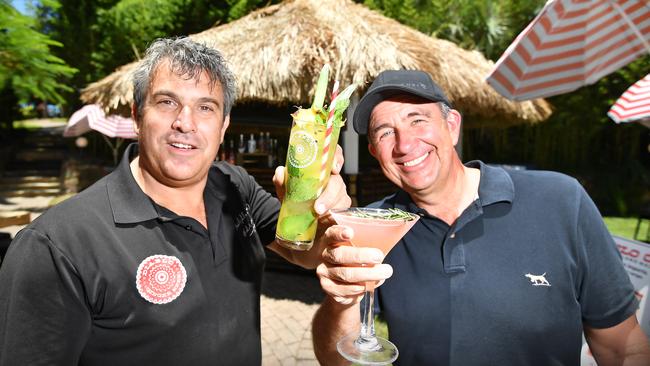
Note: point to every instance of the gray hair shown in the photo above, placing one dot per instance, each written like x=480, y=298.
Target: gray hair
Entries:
x=444, y=110
x=187, y=58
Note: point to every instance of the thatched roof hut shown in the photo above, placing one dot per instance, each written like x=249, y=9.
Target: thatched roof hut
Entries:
x=276, y=53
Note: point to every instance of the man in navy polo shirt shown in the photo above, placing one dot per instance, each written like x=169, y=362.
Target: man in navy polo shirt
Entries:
x=161, y=261
x=503, y=268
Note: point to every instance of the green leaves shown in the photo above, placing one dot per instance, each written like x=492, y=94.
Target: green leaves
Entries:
x=100, y=35
x=303, y=189
x=486, y=25
x=26, y=62
x=300, y=188
x=128, y=27
x=342, y=103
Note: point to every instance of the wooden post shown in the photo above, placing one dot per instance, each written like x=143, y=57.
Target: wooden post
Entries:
x=351, y=141
x=352, y=189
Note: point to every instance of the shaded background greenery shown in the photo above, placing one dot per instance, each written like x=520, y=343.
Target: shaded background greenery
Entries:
x=63, y=45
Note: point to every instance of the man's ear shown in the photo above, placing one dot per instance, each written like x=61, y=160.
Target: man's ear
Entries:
x=226, y=123
x=372, y=150
x=134, y=117
x=454, y=120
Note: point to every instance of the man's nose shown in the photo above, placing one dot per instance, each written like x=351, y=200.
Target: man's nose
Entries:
x=184, y=121
x=404, y=140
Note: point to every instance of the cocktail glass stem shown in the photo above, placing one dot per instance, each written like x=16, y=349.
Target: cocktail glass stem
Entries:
x=365, y=348
x=367, y=339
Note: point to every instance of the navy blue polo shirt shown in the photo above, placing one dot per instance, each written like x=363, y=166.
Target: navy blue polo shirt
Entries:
x=109, y=277
x=511, y=282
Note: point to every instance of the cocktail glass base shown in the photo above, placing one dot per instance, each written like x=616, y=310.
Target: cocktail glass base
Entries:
x=293, y=244
x=372, y=351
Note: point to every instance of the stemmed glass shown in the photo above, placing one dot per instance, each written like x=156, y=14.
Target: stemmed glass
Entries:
x=381, y=229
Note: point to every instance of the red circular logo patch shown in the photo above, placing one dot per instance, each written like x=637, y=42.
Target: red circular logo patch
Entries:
x=161, y=278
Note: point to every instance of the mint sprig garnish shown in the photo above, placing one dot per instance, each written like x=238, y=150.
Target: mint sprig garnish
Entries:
x=386, y=214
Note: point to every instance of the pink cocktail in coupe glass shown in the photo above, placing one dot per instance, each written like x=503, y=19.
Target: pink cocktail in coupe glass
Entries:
x=381, y=229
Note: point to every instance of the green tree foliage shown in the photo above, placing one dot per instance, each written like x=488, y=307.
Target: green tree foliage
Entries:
x=125, y=30
x=28, y=69
x=100, y=35
x=26, y=63
x=70, y=23
x=485, y=25
x=239, y=8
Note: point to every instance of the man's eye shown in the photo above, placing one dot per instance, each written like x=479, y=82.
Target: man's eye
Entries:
x=384, y=134
x=167, y=103
x=206, y=108
x=418, y=121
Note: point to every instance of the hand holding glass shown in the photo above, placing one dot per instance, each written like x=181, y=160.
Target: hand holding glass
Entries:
x=381, y=229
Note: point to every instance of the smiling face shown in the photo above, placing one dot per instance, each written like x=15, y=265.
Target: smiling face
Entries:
x=414, y=143
x=181, y=127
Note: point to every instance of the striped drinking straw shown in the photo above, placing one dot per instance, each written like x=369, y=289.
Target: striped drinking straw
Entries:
x=328, y=135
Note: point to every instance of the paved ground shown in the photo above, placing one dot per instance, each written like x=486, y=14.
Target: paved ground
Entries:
x=34, y=205
x=289, y=301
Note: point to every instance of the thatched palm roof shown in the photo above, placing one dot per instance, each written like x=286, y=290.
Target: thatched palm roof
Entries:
x=276, y=53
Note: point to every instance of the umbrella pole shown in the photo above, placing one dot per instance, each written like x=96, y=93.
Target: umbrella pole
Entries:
x=118, y=142
x=631, y=25
x=114, y=148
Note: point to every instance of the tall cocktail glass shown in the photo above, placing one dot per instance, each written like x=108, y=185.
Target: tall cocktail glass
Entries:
x=306, y=176
x=381, y=229
x=312, y=146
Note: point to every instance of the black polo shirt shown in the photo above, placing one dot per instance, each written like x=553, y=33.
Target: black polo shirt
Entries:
x=511, y=282
x=108, y=277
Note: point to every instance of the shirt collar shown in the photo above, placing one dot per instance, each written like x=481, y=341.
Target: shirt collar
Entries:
x=495, y=186
x=131, y=205
x=218, y=181
x=128, y=202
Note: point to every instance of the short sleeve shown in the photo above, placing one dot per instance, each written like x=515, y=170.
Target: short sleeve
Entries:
x=606, y=293
x=43, y=319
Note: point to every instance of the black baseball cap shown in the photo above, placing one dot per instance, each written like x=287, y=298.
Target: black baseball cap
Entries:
x=394, y=82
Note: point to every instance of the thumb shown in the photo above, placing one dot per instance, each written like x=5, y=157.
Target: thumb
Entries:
x=278, y=182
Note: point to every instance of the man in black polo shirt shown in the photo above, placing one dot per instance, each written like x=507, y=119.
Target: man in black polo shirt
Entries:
x=160, y=262
x=503, y=268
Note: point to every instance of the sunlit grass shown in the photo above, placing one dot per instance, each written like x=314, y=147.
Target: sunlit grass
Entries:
x=381, y=329
x=35, y=124
x=60, y=198
x=625, y=226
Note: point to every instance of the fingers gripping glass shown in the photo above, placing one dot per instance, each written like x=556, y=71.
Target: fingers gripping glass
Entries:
x=381, y=229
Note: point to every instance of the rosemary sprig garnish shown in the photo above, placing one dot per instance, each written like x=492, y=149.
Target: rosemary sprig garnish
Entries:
x=386, y=214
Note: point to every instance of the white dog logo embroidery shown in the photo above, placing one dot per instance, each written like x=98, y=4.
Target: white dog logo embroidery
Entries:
x=538, y=280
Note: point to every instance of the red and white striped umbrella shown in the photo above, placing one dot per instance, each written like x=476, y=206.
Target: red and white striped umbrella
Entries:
x=572, y=43
x=634, y=104
x=92, y=116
